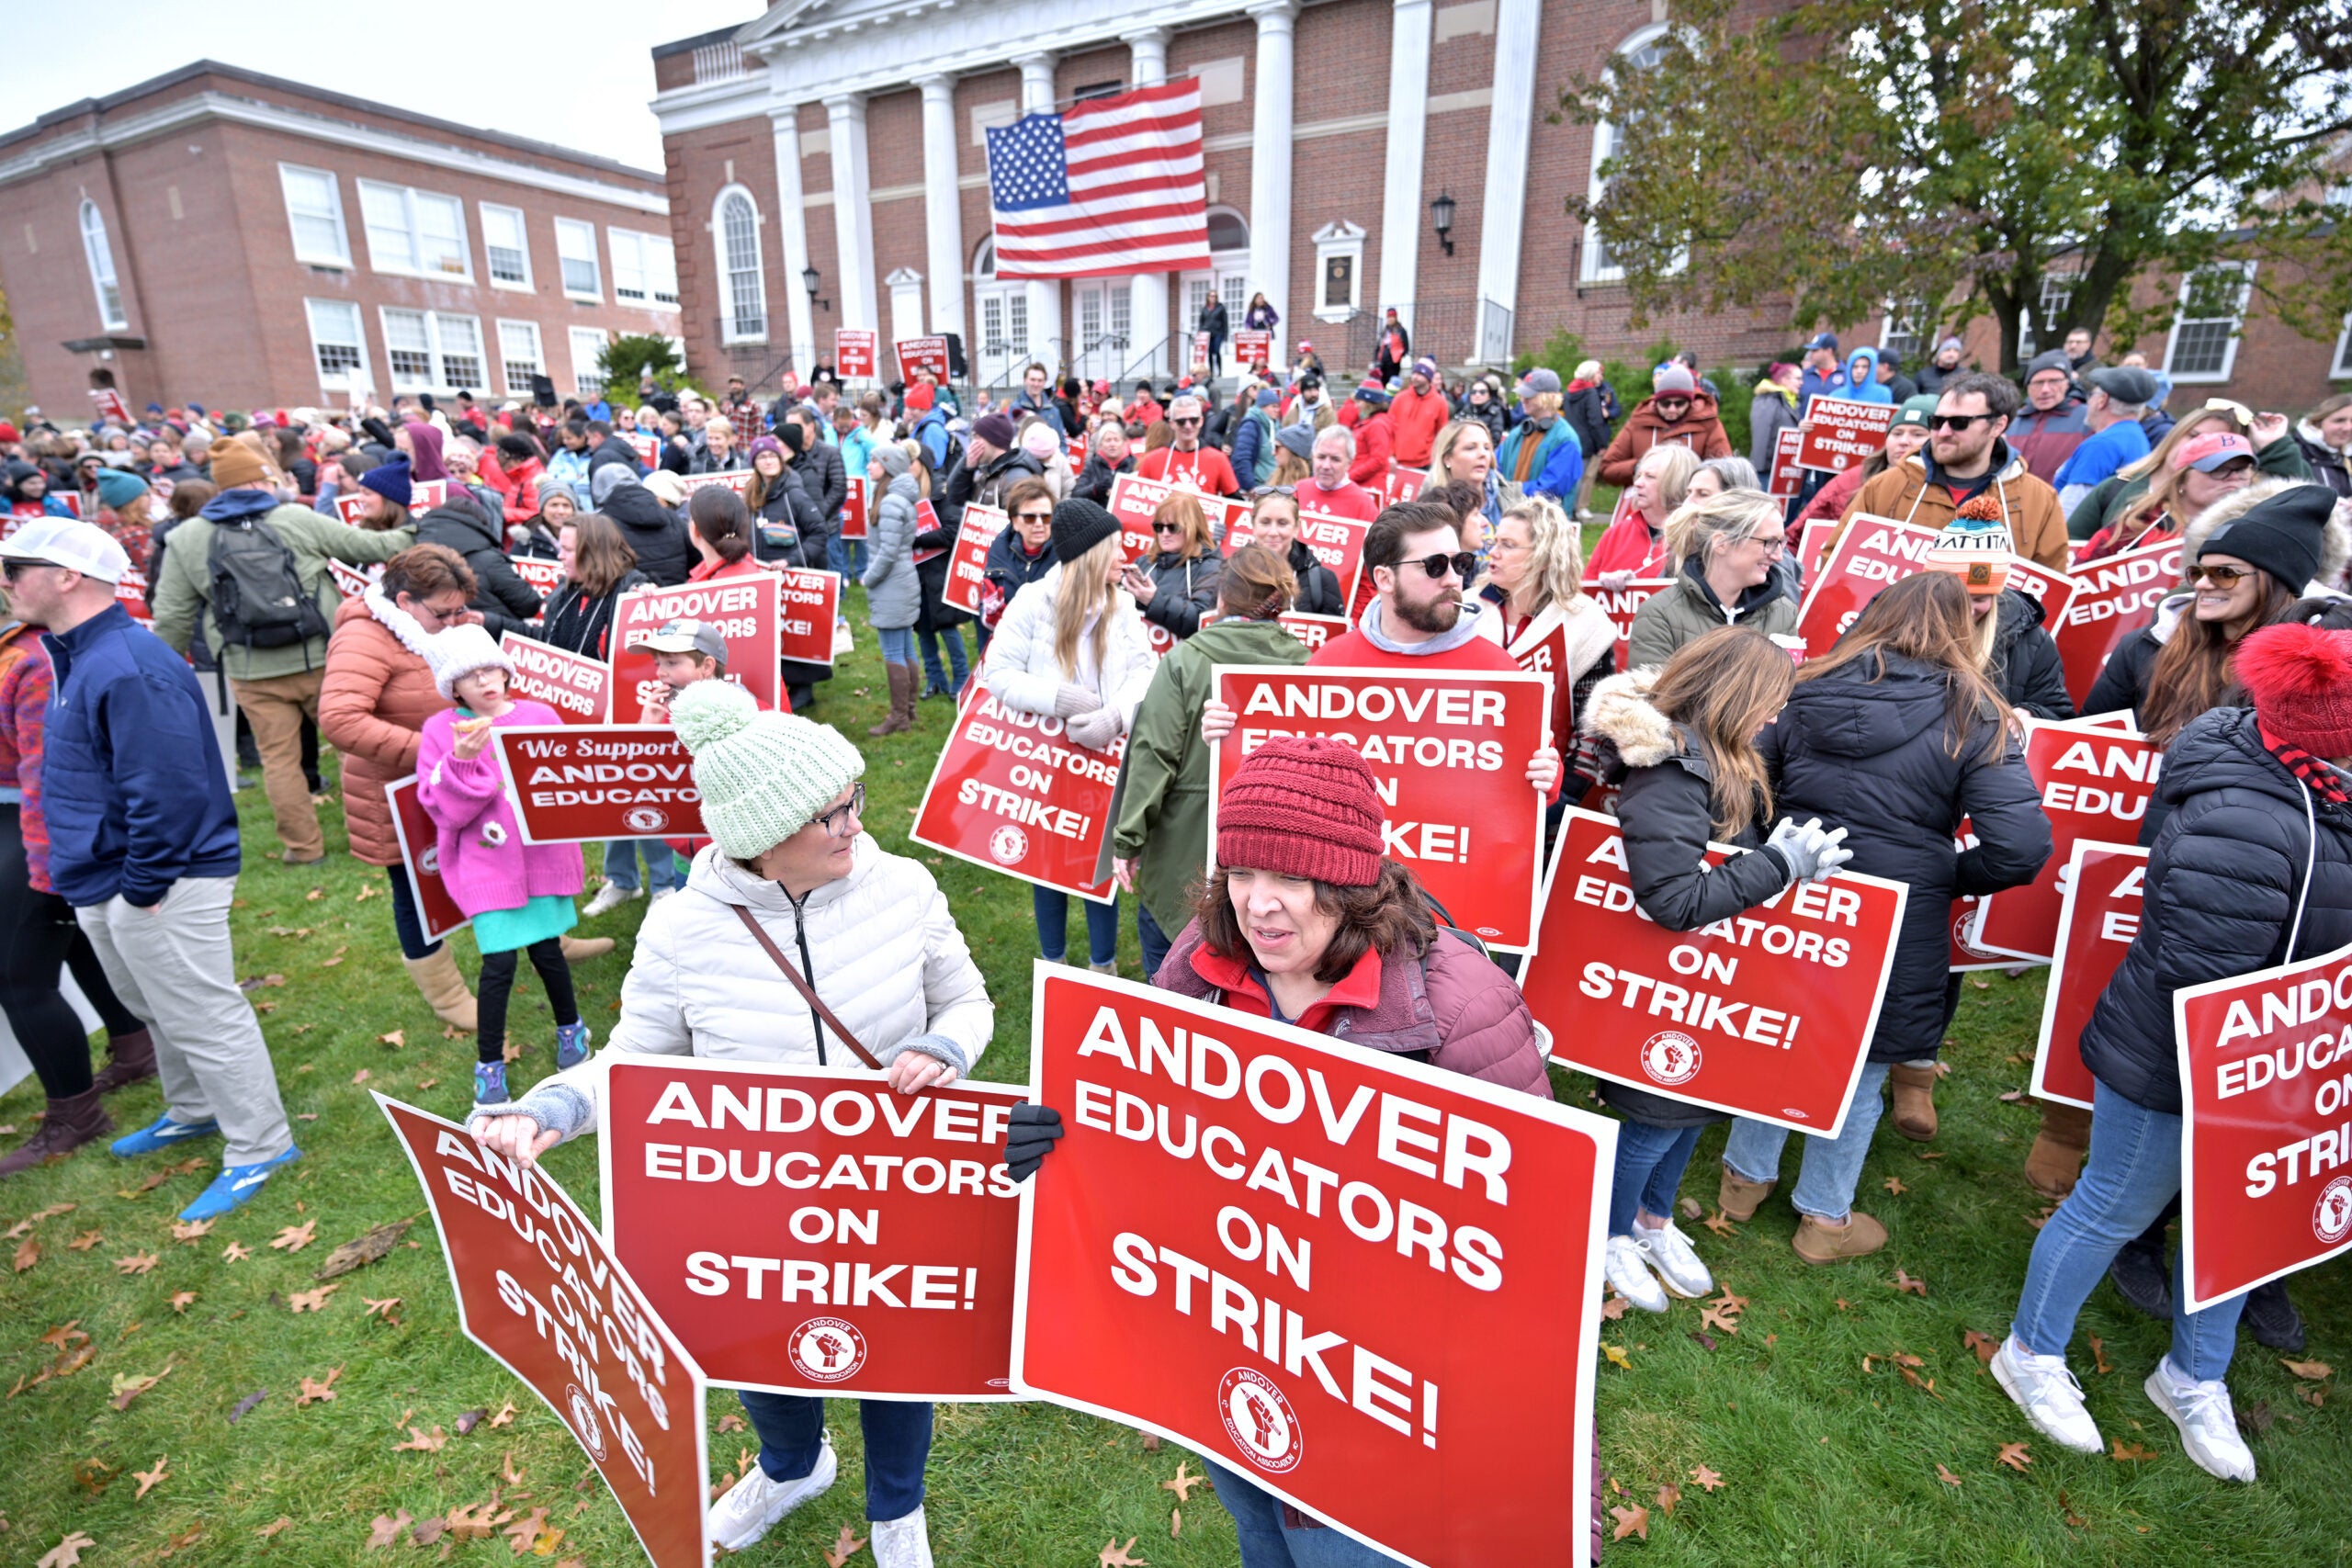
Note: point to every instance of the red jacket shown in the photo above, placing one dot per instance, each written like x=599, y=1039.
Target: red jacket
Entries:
x=1627, y=546
x=1205, y=466
x=518, y=486
x=1419, y=416
x=1376, y=438
x=1351, y=500
x=1830, y=500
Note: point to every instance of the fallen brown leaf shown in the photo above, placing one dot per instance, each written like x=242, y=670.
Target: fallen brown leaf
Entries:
x=1905, y=1282
x=236, y=1252
x=1946, y=1476
x=421, y=1442
x=86, y=1241
x=362, y=1076
x=148, y=1478
x=67, y=1553
x=1667, y=1496
x=2309, y=1371
x=294, y=1238
x=386, y=1530
x=1713, y=1317
x=182, y=1299
x=395, y=1038
x=137, y=1263
x=505, y=1416
x=2066, y=1510
x=845, y=1547
x=1183, y=1486
x=316, y=1389
x=2014, y=1455
x=311, y=1300
x=514, y=1477
x=2130, y=1453
x=65, y=1334
x=126, y=1389
x=2099, y=1355
x=181, y=1542
x=1612, y=1309
x=1982, y=1343
x=271, y=1529
x=27, y=1254
x=1720, y=1226
x=1706, y=1478
x=1112, y=1554
x=189, y=1230
x=525, y=1532
x=731, y=1423
x=1635, y=1520
x=1895, y=1184
x=93, y=1476
x=428, y=1531
x=387, y=1309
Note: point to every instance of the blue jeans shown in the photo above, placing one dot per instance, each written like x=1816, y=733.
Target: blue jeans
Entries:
x=1155, y=942
x=1650, y=1162
x=1832, y=1166
x=2133, y=1174
x=898, y=644
x=660, y=863
x=791, y=1429
x=847, y=556
x=954, y=637
x=1053, y=926
x=405, y=923
x=1268, y=1542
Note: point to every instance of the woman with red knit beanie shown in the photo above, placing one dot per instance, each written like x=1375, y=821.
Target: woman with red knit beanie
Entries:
x=1304, y=922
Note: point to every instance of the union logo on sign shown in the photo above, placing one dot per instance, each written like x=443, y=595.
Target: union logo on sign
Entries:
x=2332, y=1218
x=645, y=819
x=1671, y=1057
x=1260, y=1420
x=428, y=860
x=1009, y=845
x=828, y=1349
x=585, y=1420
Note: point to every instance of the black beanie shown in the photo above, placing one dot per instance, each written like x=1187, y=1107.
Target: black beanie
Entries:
x=794, y=436
x=1080, y=524
x=2283, y=534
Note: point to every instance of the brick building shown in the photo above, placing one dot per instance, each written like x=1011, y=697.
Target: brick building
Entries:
x=227, y=238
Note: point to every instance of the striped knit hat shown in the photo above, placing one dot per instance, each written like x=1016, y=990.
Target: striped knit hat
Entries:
x=1303, y=806
x=761, y=776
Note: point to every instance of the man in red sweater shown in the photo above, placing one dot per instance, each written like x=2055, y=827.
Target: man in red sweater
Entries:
x=1419, y=412
x=1375, y=433
x=1204, y=467
x=1329, y=488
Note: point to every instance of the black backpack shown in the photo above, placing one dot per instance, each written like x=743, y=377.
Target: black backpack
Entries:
x=257, y=598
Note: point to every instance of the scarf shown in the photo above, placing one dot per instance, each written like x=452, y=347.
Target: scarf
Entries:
x=1464, y=630
x=2317, y=775
x=395, y=620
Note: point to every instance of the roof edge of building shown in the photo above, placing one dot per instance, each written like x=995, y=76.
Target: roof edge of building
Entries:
x=685, y=45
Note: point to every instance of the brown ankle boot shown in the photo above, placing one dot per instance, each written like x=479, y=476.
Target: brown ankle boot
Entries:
x=71, y=1122
x=130, y=1058
x=1817, y=1242
x=2056, y=1159
x=1914, y=1101
x=444, y=988
x=1739, y=1198
x=902, y=701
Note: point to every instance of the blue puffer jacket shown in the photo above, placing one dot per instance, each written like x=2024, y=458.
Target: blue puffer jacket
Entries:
x=130, y=772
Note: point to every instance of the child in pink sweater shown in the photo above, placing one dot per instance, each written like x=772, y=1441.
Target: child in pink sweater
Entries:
x=518, y=895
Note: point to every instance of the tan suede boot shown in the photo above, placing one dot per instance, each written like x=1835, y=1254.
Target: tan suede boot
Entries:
x=1817, y=1242
x=1914, y=1101
x=2055, y=1160
x=444, y=988
x=1739, y=1198
x=580, y=948
x=902, y=701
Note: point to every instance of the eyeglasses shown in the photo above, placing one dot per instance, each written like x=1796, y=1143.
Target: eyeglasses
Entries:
x=837, y=821
x=1462, y=565
x=2221, y=576
x=1954, y=420
x=1044, y=517
x=1273, y=489
x=10, y=569
x=1778, y=543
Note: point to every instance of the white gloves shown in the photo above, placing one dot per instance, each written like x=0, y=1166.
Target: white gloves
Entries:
x=1095, y=729
x=1814, y=853
x=1072, y=698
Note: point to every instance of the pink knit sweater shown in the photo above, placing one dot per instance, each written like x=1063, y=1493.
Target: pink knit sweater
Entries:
x=465, y=799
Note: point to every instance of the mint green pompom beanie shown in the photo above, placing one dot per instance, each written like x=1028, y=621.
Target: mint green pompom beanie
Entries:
x=761, y=776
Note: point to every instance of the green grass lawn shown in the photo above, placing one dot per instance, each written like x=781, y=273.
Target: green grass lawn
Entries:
x=1827, y=1453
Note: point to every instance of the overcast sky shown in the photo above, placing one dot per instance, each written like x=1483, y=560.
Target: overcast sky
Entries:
x=578, y=74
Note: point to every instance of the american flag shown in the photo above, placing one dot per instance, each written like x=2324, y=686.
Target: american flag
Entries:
x=1112, y=185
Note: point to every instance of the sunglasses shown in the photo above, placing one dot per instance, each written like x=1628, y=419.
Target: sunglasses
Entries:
x=1674, y=402
x=1461, y=564
x=1954, y=420
x=12, y=570
x=2220, y=576
x=1273, y=489
x=1046, y=517
x=1168, y=528
x=1183, y=423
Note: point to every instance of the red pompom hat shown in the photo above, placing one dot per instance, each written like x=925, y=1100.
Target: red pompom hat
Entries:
x=1303, y=806
x=2300, y=680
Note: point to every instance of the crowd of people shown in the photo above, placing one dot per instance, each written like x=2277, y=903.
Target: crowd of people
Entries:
x=347, y=577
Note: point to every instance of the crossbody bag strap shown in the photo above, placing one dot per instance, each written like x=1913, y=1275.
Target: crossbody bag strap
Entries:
x=808, y=992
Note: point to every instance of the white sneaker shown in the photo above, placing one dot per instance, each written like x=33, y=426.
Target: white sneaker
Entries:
x=1678, y=1268
x=2048, y=1394
x=662, y=893
x=2209, y=1429
x=1628, y=1269
x=902, y=1542
x=610, y=896
x=753, y=1505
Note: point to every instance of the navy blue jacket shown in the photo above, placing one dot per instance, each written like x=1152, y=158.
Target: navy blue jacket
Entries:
x=131, y=772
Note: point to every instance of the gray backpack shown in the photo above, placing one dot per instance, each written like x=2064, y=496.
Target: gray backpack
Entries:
x=257, y=598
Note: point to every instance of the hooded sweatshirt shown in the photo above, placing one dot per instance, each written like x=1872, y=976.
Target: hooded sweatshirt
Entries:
x=1861, y=377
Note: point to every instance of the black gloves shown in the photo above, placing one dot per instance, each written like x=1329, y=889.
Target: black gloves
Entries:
x=1030, y=1138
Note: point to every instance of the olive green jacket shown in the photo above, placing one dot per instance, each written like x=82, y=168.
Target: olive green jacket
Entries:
x=182, y=590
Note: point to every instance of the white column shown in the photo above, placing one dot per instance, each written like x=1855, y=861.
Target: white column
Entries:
x=1147, y=291
x=1400, y=199
x=1269, y=160
x=942, y=205
x=792, y=230
x=853, y=212
x=1502, y=211
x=1045, y=344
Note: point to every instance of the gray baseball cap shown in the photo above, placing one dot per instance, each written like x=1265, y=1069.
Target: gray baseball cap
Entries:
x=1539, y=379
x=683, y=637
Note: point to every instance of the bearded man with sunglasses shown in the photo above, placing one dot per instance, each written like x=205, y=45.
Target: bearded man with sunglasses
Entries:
x=1965, y=455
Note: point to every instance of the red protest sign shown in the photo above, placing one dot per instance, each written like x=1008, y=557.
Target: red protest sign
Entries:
x=424, y=495
x=1336, y=542
x=1253, y=347
x=809, y=603
x=644, y=447
x=1449, y=753
x=539, y=1290
x=421, y=862
x=1312, y=631
x=1622, y=605
x=573, y=784
x=1813, y=538
x=1786, y=482
x=1336, y=1316
x=967, y=572
x=1133, y=500
x=540, y=573
x=1400, y=483
x=857, y=352
x=351, y=509
x=736, y=480
x=917, y=355
x=857, y=507
x=1872, y=553
x=810, y=1231
x=131, y=593
x=2096, y=925
x=350, y=582
x=1012, y=792
x=109, y=403
x=1076, y=452
x=2113, y=598
x=2265, y=1184
x=578, y=688
x=1768, y=1014
x=747, y=609
x=1839, y=432
x=927, y=522
x=1200, y=364
x=2095, y=782
x=2054, y=590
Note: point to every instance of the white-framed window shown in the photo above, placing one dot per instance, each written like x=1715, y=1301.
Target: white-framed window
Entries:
x=2056, y=293
x=506, y=246
x=742, y=283
x=314, y=213
x=576, y=249
x=458, y=339
x=338, y=342
x=2203, y=343
x=415, y=232
x=644, y=269
x=587, y=356
x=1906, y=328
x=1339, y=271
x=100, y=255
x=433, y=351
x=1639, y=53
x=2341, y=366
x=519, y=355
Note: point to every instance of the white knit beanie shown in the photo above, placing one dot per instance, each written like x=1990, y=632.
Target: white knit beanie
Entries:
x=460, y=651
x=761, y=776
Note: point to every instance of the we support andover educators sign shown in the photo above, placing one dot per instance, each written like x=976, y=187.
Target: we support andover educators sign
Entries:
x=538, y=1289
x=747, y=610
x=1449, y=755
x=1767, y=1014
x=1369, y=1286
x=1011, y=791
x=810, y=1230
x=2096, y=925
x=2265, y=1168
x=610, y=782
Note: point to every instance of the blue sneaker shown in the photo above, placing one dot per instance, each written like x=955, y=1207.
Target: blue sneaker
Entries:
x=236, y=1186
x=572, y=1042
x=162, y=1134
x=490, y=1085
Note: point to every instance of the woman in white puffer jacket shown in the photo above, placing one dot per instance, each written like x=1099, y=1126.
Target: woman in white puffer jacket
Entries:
x=871, y=931
x=1072, y=647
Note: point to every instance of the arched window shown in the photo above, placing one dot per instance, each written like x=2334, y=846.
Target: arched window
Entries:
x=1639, y=53
x=1229, y=231
x=101, y=259
x=743, y=285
